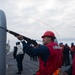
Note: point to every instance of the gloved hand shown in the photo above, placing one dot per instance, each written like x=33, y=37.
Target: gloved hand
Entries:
x=25, y=45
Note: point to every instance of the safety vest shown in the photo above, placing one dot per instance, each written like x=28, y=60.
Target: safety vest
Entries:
x=73, y=66
x=19, y=49
x=62, y=47
x=54, y=60
x=73, y=49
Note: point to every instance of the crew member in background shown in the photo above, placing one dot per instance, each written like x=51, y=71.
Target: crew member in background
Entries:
x=18, y=55
x=50, y=54
x=34, y=58
x=71, y=70
x=62, y=47
x=66, y=55
x=72, y=49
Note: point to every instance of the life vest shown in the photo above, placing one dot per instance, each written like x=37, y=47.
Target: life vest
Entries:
x=54, y=60
x=62, y=47
x=73, y=49
x=73, y=66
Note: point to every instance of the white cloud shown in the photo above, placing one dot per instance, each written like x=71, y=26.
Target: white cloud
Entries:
x=33, y=17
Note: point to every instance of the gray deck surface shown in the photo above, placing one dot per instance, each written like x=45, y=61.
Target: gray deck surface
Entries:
x=29, y=66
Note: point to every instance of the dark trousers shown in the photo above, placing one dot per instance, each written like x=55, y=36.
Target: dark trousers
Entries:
x=19, y=59
x=34, y=58
x=72, y=53
x=66, y=60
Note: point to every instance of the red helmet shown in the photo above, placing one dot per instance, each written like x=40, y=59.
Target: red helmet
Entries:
x=48, y=33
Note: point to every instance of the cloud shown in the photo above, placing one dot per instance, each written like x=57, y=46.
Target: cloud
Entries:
x=33, y=17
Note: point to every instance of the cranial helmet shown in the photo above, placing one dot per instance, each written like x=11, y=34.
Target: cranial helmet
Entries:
x=48, y=33
x=72, y=43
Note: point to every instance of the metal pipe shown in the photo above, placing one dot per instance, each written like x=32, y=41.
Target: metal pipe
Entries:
x=2, y=43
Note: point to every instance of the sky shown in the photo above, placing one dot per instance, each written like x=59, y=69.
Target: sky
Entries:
x=32, y=18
